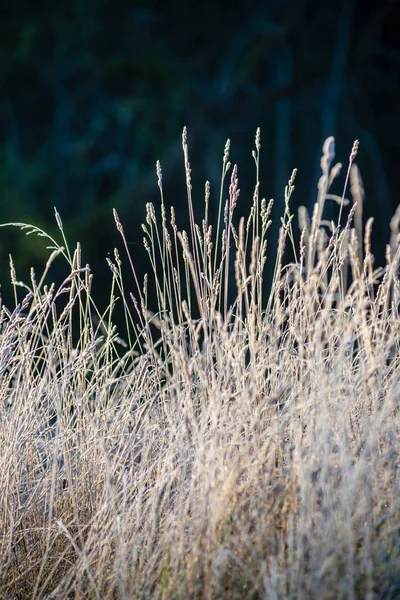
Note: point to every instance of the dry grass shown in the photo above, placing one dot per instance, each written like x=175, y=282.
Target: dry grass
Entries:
x=232, y=451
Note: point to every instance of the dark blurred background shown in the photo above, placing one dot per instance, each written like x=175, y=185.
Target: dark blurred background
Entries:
x=93, y=92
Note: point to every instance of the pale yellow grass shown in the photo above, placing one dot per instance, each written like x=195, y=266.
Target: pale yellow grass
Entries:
x=239, y=446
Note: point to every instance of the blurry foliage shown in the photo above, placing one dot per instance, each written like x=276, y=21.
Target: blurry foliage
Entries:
x=94, y=92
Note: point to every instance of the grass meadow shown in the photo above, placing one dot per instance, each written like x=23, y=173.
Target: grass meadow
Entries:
x=227, y=443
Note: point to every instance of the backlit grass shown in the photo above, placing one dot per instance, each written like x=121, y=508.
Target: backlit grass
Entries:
x=224, y=445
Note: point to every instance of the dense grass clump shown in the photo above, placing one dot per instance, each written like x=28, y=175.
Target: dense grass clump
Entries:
x=238, y=446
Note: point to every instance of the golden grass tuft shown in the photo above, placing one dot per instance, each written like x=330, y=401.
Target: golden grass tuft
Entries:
x=234, y=449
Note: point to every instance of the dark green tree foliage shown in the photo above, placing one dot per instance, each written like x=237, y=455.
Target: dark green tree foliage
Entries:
x=93, y=92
